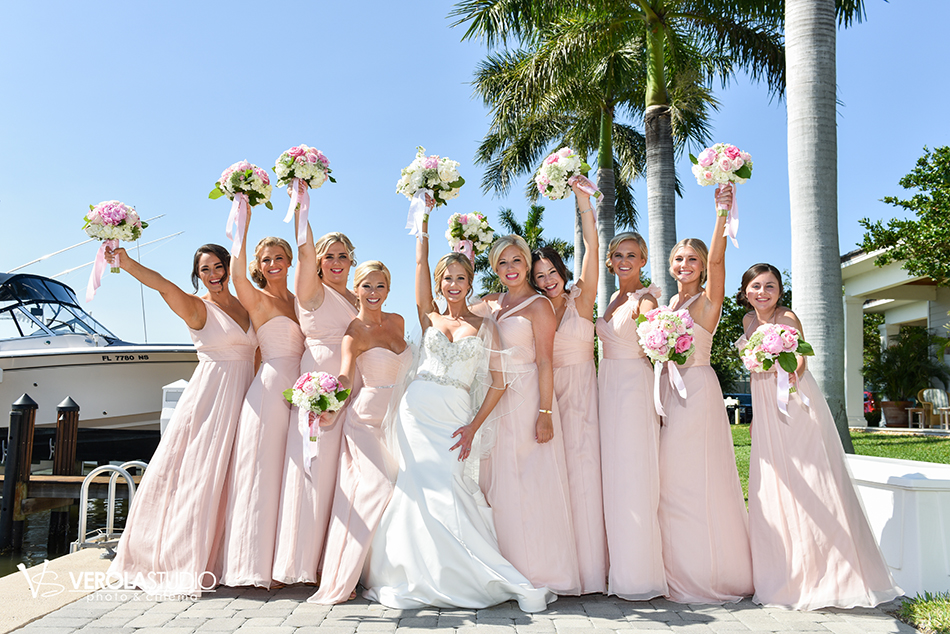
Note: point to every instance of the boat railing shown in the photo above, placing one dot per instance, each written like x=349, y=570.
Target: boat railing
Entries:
x=104, y=538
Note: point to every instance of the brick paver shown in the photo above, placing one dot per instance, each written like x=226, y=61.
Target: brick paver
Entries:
x=285, y=611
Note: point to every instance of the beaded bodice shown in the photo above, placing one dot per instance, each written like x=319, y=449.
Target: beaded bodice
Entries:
x=449, y=362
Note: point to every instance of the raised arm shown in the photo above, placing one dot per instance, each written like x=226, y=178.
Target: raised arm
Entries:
x=308, y=286
x=190, y=308
x=544, y=324
x=424, y=301
x=250, y=297
x=716, y=266
x=590, y=267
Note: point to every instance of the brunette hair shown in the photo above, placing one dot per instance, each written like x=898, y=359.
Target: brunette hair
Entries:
x=254, y=266
x=325, y=242
x=217, y=251
x=368, y=267
x=547, y=253
x=502, y=243
x=699, y=247
x=754, y=271
x=443, y=265
x=623, y=237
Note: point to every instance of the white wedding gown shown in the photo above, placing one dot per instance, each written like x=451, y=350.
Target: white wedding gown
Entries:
x=436, y=542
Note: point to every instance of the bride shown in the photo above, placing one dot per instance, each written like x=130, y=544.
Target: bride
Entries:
x=436, y=542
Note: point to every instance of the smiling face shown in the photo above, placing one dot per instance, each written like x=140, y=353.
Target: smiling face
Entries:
x=455, y=283
x=373, y=290
x=512, y=267
x=335, y=264
x=547, y=278
x=763, y=292
x=273, y=262
x=687, y=266
x=627, y=260
x=212, y=272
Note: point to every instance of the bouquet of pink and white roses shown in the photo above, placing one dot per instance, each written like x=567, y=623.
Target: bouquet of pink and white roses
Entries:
x=666, y=336
x=433, y=175
x=469, y=234
x=560, y=171
x=720, y=165
x=771, y=343
x=317, y=393
x=244, y=184
x=308, y=164
x=109, y=222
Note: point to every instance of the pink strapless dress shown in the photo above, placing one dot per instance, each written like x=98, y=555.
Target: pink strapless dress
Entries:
x=177, y=520
x=247, y=556
x=367, y=473
x=630, y=438
x=575, y=388
x=307, y=494
x=703, y=517
x=812, y=546
x=526, y=482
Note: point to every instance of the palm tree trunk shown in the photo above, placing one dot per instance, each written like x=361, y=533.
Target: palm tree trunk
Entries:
x=606, y=213
x=813, y=181
x=661, y=196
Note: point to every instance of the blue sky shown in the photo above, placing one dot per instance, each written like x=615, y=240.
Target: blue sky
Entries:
x=148, y=102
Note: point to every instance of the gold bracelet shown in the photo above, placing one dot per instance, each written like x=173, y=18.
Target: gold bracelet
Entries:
x=546, y=411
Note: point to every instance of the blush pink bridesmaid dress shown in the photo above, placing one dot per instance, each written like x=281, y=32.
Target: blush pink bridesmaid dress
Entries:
x=176, y=523
x=307, y=493
x=247, y=557
x=575, y=388
x=630, y=437
x=703, y=517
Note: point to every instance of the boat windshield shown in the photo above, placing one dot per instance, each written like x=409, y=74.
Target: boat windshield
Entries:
x=33, y=306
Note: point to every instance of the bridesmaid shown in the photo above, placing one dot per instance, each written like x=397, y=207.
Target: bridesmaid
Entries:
x=812, y=546
x=174, y=526
x=374, y=347
x=247, y=556
x=703, y=518
x=325, y=307
x=575, y=389
x=525, y=475
x=630, y=431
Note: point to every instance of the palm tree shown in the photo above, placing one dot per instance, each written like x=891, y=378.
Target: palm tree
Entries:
x=532, y=232
x=813, y=185
x=681, y=40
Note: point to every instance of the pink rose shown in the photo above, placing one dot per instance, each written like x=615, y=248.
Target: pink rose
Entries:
x=725, y=164
x=683, y=343
x=732, y=152
x=296, y=151
x=312, y=158
x=431, y=163
x=554, y=158
x=772, y=343
x=655, y=340
x=463, y=220
x=738, y=162
x=746, y=157
x=790, y=340
x=707, y=175
x=687, y=319
x=707, y=157
x=301, y=160
x=565, y=152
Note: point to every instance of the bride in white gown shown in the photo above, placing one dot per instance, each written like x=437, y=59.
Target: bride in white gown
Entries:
x=436, y=542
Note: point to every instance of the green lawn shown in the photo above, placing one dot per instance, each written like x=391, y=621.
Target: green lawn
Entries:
x=906, y=447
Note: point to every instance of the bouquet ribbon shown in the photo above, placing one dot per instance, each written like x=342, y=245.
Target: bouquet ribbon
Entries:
x=417, y=209
x=586, y=185
x=307, y=432
x=304, y=201
x=783, y=386
x=238, y=216
x=466, y=248
x=732, y=220
x=98, y=268
x=676, y=382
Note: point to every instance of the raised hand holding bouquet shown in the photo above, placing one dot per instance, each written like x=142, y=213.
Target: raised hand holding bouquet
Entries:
x=560, y=171
x=433, y=175
x=109, y=221
x=666, y=336
x=777, y=342
x=317, y=393
x=307, y=164
x=721, y=165
x=244, y=184
x=469, y=234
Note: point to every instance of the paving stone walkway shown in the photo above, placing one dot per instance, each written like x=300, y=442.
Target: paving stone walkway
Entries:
x=285, y=611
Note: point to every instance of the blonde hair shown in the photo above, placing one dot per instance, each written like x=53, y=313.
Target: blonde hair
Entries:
x=370, y=266
x=443, y=265
x=254, y=266
x=323, y=245
x=503, y=243
x=699, y=247
x=623, y=237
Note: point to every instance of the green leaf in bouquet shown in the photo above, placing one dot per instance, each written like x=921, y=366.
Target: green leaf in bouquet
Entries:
x=767, y=364
x=805, y=349
x=216, y=193
x=330, y=178
x=342, y=395
x=744, y=172
x=269, y=205
x=788, y=361
x=585, y=167
x=144, y=225
x=289, y=395
x=641, y=318
x=693, y=159
x=85, y=221
x=323, y=403
x=91, y=207
x=457, y=183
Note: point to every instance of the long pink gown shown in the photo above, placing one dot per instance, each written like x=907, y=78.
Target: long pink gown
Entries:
x=703, y=518
x=177, y=519
x=630, y=439
x=526, y=482
x=812, y=546
x=247, y=556
x=575, y=388
x=307, y=495
x=367, y=473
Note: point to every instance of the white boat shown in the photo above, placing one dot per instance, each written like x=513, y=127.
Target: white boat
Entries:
x=51, y=348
